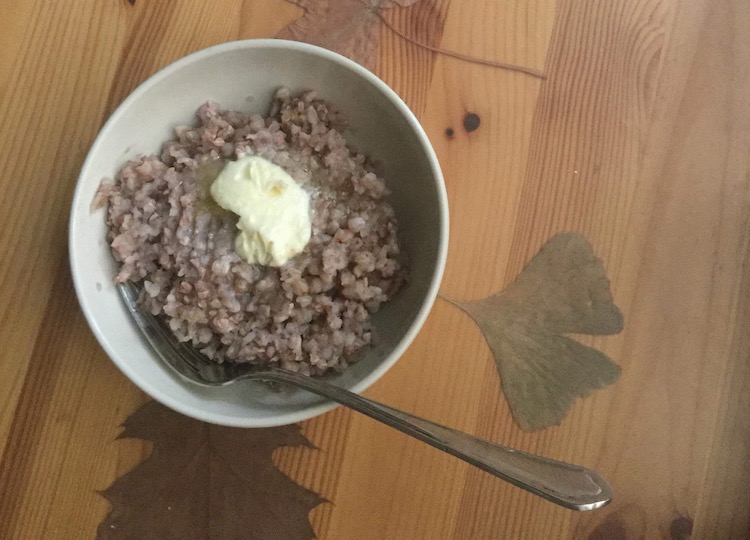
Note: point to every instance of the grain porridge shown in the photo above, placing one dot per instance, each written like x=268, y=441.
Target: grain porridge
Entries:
x=311, y=314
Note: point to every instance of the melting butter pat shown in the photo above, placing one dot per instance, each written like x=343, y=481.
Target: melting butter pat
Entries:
x=274, y=210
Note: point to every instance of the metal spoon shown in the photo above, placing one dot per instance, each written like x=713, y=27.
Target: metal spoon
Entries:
x=568, y=485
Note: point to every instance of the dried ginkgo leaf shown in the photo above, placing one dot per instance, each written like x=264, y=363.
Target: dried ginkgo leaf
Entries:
x=204, y=481
x=349, y=27
x=563, y=290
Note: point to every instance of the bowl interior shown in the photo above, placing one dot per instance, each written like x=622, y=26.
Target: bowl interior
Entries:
x=244, y=76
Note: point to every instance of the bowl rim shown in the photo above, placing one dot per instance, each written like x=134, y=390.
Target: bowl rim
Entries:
x=370, y=378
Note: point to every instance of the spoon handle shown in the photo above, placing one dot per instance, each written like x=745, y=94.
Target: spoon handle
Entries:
x=571, y=486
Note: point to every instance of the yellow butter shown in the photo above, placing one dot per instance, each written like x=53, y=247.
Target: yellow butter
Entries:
x=274, y=210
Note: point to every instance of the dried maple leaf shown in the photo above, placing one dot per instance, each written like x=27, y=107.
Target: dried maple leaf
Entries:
x=203, y=481
x=563, y=290
x=349, y=27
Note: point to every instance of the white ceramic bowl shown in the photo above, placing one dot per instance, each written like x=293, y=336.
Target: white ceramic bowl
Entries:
x=243, y=75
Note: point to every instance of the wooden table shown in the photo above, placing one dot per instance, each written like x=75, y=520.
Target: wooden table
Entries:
x=638, y=137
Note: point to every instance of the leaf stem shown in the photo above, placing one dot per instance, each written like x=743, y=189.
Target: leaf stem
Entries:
x=460, y=56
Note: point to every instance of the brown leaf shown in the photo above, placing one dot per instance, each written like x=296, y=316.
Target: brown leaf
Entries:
x=563, y=290
x=204, y=481
x=349, y=27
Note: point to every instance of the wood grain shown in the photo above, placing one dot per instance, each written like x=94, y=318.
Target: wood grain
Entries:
x=638, y=137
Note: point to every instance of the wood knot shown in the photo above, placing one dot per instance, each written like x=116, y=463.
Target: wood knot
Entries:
x=471, y=122
x=681, y=528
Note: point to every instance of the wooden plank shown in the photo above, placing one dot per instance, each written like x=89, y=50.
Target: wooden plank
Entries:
x=51, y=105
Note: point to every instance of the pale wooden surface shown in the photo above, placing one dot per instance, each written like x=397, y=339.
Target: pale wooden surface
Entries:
x=639, y=138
